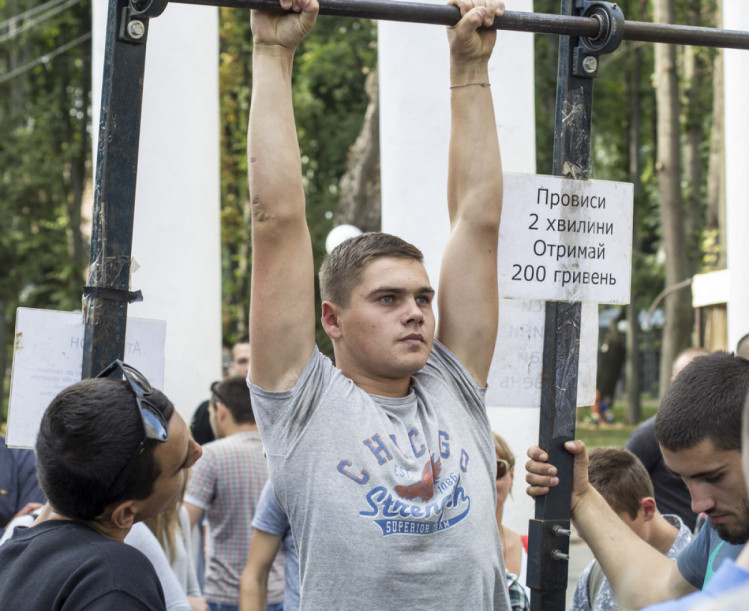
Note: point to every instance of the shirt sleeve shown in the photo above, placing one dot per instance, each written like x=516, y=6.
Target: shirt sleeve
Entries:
x=122, y=601
x=283, y=416
x=269, y=516
x=141, y=538
x=718, y=592
x=692, y=561
x=580, y=600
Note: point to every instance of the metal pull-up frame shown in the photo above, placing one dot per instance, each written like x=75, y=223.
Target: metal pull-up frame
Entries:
x=587, y=29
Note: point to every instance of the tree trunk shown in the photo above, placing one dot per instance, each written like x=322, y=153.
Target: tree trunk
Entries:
x=79, y=177
x=4, y=325
x=634, y=407
x=716, y=176
x=694, y=115
x=359, y=202
x=678, y=310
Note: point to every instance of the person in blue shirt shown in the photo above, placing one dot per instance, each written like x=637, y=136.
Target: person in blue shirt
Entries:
x=19, y=489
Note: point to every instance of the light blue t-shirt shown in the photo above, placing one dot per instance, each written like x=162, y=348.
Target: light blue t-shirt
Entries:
x=699, y=562
x=270, y=518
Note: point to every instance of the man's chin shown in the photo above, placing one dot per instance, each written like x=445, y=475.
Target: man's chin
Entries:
x=734, y=536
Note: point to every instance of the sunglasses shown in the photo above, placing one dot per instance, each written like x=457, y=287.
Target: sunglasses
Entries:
x=502, y=468
x=154, y=425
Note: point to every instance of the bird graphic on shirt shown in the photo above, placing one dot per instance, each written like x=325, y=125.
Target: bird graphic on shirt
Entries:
x=424, y=488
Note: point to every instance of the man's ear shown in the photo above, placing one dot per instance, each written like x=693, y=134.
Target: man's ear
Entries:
x=124, y=514
x=331, y=320
x=648, y=507
x=223, y=412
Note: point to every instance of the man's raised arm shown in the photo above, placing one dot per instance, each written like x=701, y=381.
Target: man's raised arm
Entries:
x=467, y=292
x=638, y=573
x=282, y=307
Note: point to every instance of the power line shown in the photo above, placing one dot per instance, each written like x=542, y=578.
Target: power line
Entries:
x=30, y=13
x=56, y=9
x=44, y=59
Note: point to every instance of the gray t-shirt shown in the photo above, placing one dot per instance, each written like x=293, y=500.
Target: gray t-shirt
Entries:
x=391, y=500
x=704, y=555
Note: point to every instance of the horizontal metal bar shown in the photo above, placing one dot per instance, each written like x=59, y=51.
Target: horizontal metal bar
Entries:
x=685, y=35
x=518, y=21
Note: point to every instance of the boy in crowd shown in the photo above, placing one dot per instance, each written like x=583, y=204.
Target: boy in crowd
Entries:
x=623, y=482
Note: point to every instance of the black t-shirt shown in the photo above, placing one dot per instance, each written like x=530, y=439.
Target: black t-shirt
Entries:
x=671, y=493
x=61, y=565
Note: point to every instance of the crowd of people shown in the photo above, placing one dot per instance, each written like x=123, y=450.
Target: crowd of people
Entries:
x=369, y=479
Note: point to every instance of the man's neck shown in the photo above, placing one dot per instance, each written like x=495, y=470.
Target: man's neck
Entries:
x=233, y=429
x=369, y=382
x=662, y=534
x=382, y=387
x=103, y=527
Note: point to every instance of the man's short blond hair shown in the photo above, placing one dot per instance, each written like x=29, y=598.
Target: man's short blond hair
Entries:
x=342, y=269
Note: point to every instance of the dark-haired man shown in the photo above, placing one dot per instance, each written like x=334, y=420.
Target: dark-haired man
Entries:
x=671, y=494
x=384, y=461
x=698, y=427
x=110, y=453
x=239, y=366
x=226, y=485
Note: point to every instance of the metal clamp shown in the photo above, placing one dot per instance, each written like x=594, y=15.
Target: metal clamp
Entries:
x=610, y=35
x=611, y=32
x=147, y=8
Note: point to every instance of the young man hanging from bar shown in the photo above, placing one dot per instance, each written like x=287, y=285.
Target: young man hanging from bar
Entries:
x=384, y=462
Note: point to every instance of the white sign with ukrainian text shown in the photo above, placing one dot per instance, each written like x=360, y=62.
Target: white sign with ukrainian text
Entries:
x=515, y=374
x=565, y=240
x=48, y=356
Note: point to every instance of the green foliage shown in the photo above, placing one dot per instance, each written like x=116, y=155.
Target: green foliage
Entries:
x=624, y=77
x=614, y=434
x=330, y=69
x=44, y=153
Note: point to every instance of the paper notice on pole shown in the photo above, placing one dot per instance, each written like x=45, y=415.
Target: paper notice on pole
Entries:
x=48, y=355
x=515, y=374
x=565, y=240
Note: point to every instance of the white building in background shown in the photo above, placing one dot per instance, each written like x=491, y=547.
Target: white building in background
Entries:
x=736, y=17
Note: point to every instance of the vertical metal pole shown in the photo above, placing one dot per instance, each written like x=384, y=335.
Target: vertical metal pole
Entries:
x=549, y=531
x=107, y=294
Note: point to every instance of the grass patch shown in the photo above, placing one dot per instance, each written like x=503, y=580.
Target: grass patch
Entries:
x=613, y=434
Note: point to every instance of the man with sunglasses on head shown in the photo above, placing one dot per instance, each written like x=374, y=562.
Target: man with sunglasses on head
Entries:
x=110, y=452
x=226, y=485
